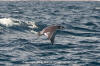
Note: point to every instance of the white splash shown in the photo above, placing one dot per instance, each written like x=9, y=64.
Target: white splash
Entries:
x=31, y=25
x=7, y=22
x=10, y=22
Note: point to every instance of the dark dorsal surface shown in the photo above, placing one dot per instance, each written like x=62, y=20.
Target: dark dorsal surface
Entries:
x=50, y=32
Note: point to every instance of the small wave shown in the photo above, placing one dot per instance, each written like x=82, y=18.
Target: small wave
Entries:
x=84, y=34
x=84, y=28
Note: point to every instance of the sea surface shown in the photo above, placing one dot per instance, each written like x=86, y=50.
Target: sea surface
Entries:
x=78, y=44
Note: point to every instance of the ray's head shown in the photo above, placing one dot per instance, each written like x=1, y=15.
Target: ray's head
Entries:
x=60, y=27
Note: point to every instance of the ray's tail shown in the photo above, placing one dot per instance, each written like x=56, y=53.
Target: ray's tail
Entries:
x=39, y=34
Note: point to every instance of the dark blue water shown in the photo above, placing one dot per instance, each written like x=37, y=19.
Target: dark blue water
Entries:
x=77, y=45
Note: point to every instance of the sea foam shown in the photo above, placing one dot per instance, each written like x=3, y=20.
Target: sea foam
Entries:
x=9, y=22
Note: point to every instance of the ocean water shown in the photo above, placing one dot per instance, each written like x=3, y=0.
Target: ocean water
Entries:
x=77, y=45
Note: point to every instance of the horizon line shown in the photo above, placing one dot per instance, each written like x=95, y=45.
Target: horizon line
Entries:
x=49, y=0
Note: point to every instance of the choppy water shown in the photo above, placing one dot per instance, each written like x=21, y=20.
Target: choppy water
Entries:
x=77, y=45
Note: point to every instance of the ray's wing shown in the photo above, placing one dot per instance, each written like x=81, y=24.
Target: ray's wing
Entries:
x=48, y=34
x=51, y=36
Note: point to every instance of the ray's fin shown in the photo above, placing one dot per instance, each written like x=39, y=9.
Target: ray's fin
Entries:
x=52, y=37
x=52, y=41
